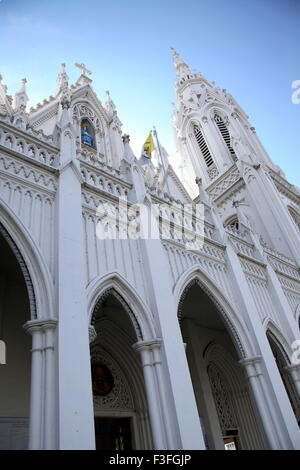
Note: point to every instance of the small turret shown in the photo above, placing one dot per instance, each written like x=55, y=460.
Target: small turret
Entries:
x=21, y=98
x=63, y=88
x=109, y=105
x=5, y=100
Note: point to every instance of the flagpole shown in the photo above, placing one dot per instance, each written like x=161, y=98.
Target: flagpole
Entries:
x=162, y=162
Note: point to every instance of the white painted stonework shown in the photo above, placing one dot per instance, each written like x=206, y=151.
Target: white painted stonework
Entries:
x=199, y=342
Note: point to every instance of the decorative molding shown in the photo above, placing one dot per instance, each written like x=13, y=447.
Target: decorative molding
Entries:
x=28, y=174
x=226, y=185
x=36, y=137
x=83, y=110
x=133, y=318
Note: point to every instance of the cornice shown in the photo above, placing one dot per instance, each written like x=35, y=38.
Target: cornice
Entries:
x=42, y=115
x=105, y=173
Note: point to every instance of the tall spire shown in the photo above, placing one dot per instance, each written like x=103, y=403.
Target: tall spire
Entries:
x=183, y=71
x=181, y=68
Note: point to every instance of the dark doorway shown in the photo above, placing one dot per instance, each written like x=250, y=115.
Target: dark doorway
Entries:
x=113, y=433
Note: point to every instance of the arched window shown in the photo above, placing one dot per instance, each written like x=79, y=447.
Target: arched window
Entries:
x=203, y=147
x=87, y=133
x=232, y=223
x=224, y=133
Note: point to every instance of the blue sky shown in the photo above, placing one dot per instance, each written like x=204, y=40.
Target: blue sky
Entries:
x=251, y=48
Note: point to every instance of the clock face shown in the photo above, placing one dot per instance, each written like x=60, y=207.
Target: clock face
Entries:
x=102, y=379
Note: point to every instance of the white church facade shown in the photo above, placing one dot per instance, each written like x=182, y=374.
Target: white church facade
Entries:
x=115, y=335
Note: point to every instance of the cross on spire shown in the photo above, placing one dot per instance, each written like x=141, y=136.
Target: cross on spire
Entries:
x=83, y=69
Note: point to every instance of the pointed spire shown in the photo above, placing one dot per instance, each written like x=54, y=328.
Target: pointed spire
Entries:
x=62, y=79
x=63, y=88
x=181, y=68
x=5, y=100
x=21, y=98
x=183, y=71
x=109, y=105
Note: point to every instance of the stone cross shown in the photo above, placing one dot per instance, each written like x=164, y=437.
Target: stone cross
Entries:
x=83, y=69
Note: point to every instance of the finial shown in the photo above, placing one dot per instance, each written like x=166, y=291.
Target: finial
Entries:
x=24, y=81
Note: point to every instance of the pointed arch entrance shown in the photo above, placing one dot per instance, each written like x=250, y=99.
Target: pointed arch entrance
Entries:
x=214, y=349
x=119, y=395
x=28, y=404
x=17, y=305
x=284, y=367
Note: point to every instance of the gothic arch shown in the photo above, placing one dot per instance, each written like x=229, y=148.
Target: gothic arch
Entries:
x=210, y=108
x=235, y=325
x=83, y=109
x=36, y=274
x=113, y=347
x=231, y=221
x=200, y=145
x=278, y=338
x=280, y=350
x=139, y=314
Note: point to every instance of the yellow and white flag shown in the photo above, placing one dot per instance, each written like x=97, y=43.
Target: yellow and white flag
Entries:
x=148, y=147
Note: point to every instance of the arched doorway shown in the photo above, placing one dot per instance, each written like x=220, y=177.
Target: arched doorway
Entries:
x=120, y=404
x=15, y=373
x=226, y=409
x=282, y=362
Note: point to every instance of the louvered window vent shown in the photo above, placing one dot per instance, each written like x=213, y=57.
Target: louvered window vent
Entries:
x=224, y=133
x=203, y=147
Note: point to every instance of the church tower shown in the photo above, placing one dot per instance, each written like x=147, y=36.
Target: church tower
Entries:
x=218, y=144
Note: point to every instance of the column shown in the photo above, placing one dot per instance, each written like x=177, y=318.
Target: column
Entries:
x=261, y=403
x=180, y=393
x=37, y=386
x=161, y=381
x=76, y=413
x=158, y=435
x=50, y=409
